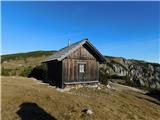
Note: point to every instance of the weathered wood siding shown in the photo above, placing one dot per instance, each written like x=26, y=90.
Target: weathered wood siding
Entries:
x=81, y=54
x=55, y=73
x=71, y=68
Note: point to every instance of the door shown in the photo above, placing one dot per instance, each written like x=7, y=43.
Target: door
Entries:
x=81, y=72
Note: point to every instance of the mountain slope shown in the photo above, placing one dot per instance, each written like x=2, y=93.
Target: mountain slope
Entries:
x=131, y=72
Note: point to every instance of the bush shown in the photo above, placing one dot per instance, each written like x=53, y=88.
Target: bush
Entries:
x=5, y=71
x=129, y=83
x=103, y=76
x=26, y=71
x=39, y=72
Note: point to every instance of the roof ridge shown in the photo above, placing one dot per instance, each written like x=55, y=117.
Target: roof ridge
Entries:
x=61, y=53
x=86, y=39
x=64, y=52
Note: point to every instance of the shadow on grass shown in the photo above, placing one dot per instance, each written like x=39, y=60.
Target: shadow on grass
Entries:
x=150, y=100
x=154, y=93
x=39, y=73
x=31, y=111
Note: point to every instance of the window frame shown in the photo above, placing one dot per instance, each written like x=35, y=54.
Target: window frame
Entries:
x=82, y=68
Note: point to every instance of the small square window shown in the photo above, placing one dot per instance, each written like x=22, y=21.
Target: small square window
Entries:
x=81, y=68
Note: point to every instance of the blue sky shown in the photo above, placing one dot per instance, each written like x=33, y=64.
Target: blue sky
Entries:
x=126, y=29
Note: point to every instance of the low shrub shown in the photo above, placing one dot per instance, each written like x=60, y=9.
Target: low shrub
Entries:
x=26, y=71
x=103, y=76
x=129, y=83
x=5, y=71
x=39, y=72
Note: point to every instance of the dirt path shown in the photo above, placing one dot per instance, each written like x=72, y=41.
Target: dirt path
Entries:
x=123, y=87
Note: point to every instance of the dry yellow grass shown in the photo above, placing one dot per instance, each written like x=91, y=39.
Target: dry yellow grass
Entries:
x=17, y=64
x=22, y=97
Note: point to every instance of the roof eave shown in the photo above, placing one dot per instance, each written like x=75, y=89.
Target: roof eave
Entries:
x=102, y=59
x=50, y=61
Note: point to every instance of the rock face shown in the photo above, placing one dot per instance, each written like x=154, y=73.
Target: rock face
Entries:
x=139, y=73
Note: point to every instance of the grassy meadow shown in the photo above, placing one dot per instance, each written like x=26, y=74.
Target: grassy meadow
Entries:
x=28, y=99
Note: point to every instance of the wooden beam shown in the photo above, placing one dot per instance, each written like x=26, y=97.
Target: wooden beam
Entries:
x=79, y=82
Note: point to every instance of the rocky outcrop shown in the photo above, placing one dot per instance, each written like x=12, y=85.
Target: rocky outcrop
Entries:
x=139, y=73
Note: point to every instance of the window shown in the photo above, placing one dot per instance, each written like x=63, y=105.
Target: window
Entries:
x=81, y=68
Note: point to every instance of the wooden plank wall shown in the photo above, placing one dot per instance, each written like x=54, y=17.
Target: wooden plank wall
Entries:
x=81, y=54
x=70, y=66
x=55, y=73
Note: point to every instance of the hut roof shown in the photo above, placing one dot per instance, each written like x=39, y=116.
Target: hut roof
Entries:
x=66, y=51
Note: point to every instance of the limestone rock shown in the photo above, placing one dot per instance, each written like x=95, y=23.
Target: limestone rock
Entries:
x=88, y=111
x=139, y=73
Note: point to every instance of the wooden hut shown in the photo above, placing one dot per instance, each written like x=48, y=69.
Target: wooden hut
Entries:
x=75, y=64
